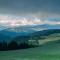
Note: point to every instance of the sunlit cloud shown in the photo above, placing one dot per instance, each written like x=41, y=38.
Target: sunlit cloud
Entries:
x=52, y=22
x=10, y=21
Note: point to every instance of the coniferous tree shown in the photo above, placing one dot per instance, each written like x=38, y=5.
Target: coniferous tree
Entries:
x=12, y=45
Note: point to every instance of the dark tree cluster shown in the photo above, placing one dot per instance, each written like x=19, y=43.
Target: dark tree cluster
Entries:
x=13, y=45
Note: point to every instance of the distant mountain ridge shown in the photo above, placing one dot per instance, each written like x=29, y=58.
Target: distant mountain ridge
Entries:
x=46, y=32
x=8, y=34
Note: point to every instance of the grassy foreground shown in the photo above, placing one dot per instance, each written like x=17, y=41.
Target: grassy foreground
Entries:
x=30, y=54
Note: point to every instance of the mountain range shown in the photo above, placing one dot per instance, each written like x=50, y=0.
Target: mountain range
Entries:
x=28, y=32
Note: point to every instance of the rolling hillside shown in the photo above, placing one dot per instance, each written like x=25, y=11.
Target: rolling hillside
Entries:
x=48, y=51
x=49, y=48
x=42, y=36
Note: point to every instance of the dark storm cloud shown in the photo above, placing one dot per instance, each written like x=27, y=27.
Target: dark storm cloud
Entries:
x=33, y=7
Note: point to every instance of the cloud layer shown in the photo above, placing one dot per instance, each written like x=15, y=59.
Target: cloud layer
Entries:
x=11, y=21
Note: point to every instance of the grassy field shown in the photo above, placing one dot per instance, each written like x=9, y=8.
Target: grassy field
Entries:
x=52, y=37
x=31, y=54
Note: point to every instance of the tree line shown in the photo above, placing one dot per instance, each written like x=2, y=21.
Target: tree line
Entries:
x=13, y=45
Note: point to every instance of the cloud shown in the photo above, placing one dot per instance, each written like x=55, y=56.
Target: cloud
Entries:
x=12, y=21
x=52, y=22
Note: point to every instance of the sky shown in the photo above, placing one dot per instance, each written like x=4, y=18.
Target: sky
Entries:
x=29, y=12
